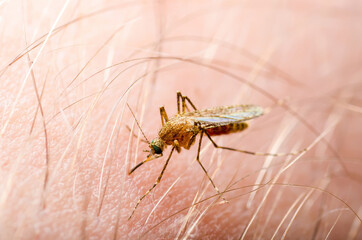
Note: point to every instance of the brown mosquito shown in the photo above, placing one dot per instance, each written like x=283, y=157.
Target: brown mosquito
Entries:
x=181, y=130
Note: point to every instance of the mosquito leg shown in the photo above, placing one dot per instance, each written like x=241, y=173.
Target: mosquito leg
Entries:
x=203, y=168
x=255, y=153
x=179, y=96
x=164, y=117
x=184, y=106
x=188, y=99
x=155, y=184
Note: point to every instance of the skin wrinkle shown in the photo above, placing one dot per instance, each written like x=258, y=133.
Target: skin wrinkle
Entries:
x=300, y=60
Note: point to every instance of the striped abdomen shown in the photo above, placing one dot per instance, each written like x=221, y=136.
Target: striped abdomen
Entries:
x=226, y=129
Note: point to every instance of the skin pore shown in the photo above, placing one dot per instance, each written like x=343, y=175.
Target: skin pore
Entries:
x=68, y=70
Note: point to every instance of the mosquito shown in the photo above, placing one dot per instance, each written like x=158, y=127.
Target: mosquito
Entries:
x=181, y=130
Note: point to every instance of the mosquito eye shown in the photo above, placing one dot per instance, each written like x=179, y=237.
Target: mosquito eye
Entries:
x=156, y=149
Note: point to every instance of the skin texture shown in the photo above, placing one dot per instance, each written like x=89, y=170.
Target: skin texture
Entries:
x=68, y=70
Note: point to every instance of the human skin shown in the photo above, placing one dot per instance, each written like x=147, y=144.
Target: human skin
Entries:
x=66, y=149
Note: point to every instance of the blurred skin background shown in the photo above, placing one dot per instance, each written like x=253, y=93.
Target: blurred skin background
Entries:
x=68, y=68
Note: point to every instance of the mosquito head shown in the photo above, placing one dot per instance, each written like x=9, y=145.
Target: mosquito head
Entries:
x=157, y=145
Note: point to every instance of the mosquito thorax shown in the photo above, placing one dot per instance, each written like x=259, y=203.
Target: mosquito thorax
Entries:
x=157, y=145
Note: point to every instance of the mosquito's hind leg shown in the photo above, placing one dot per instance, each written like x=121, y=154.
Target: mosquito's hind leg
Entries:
x=255, y=153
x=164, y=117
x=179, y=97
x=203, y=168
x=183, y=103
x=155, y=184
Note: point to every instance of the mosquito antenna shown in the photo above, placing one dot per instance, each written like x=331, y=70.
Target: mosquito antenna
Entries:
x=138, y=124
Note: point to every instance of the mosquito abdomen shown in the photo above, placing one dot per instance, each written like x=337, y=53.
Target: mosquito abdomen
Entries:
x=226, y=129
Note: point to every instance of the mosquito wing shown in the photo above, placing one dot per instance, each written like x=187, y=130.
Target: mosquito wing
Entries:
x=221, y=116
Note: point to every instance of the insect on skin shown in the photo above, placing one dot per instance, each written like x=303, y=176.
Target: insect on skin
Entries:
x=181, y=130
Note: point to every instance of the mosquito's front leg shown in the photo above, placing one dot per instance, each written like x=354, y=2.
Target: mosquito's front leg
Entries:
x=155, y=184
x=164, y=117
